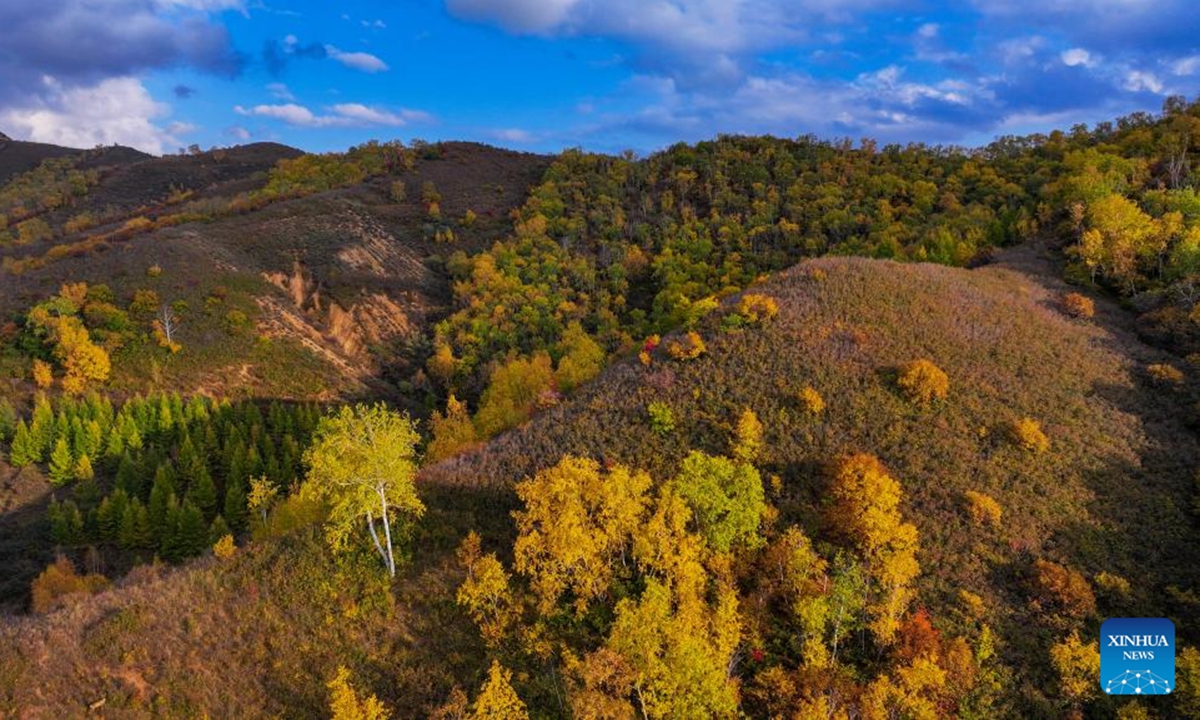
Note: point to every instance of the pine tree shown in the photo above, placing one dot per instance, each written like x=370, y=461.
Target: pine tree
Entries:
x=62, y=465
x=107, y=520
x=202, y=493
x=217, y=530
x=42, y=426
x=235, y=509
x=128, y=477
x=114, y=449
x=161, y=497
x=192, y=533
x=60, y=530
x=83, y=470
x=24, y=450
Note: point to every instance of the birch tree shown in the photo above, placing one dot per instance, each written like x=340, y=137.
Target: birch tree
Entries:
x=361, y=464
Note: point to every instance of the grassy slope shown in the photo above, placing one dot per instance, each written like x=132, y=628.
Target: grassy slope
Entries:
x=1109, y=495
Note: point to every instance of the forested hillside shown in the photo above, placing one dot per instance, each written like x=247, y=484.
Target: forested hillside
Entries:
x=651, y=444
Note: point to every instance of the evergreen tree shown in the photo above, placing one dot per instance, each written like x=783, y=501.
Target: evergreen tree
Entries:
x=235, y=509
x=191, y=535
x=42, y=427
x=114, y=449
x=203, y=494
x=24, y=450
x=161, y=497
x=83, y=470
x=60, y=530
x=217, y=530
x=62, y=465
x=128, y=477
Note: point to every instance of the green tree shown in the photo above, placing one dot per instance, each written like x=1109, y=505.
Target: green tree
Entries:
x=361, y=463
x=726, y=499
x=62, y=465
x=24, y=450
x=581, y=358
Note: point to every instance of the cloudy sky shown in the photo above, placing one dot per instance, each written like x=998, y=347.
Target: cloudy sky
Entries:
x=601, y=74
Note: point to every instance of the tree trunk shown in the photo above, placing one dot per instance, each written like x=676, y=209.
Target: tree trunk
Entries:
x=387, y=531
x=375, y=537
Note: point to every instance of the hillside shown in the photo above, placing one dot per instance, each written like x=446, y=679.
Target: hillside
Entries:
x=1109, y=495
x=343, y=276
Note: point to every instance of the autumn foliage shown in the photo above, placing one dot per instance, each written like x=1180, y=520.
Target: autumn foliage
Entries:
x=923, y=382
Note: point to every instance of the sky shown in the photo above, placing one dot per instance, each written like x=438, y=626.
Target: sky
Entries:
x=605, y=75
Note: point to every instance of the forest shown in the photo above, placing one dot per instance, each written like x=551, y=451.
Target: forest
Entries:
x=750, y=427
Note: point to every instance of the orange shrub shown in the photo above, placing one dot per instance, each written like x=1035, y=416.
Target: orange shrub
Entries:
x=689, y=347
x=59, y=580
x=1027, y=433
x=983, y=508
x=1078, y=306
x=1165, y=374
x=1059, y=586
x=811, y=401
x=923, y=382
x=757, y=308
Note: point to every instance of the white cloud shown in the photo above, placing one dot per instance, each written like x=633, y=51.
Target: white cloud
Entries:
x=1138, y=81
x=343, y=115
x=237, y=132
x=365, y=62
x=114, y=111
x=279, y=91
x=1078, y=56
x=202, y=5
x=514, y=135
x=1186, y=66
x=928, y=31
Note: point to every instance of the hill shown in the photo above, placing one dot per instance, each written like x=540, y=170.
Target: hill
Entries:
x=339, y=275
x=1107, y=499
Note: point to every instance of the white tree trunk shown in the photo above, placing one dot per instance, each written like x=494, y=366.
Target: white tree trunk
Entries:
x=375, y=536
x=387, y=531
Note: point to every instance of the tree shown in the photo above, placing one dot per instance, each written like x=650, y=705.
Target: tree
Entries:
x=485, y=593
x=262, y=495
x=515, y=390
x=166, y=325
x=1027, y=434
x=60, y=580
x=497, y=700
x=576, y=520
x=362, y=463
x=747, y=437
x=923, y=382
x=864, y=511
x=453, y=431
x=582, y=358
x=726, y=499
x=1078, y=667
x=24, y=450
x=345, y=703
x=62, y=464
x=235, y=505
x=43, y=376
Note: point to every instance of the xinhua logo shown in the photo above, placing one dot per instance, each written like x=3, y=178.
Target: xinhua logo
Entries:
x=1137, y=656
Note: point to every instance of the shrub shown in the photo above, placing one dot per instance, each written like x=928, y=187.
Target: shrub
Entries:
x=1078, y=306
x=983, y=508
x=137, y=224
x=662, y=417
x=399, y=192
x=689, y=347
x=225, y=548
x=1164, y=374
x=923, y=382
x=154, y=270
x=43, y=377
x=145, y=302
x=757, y=308
x=1064, y=588
x=811, y=401
x=59, y=581
x=1027, y=433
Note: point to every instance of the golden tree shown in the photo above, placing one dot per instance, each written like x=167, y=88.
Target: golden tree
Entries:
x=497, y=700
x=576, y=520
x=345, y=703
x=361, y=464
x=923, y=382
x=865, y=512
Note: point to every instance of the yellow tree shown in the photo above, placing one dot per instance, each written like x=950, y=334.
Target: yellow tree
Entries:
x=865, y=512
x=747, y=437
x=485, y=593
x=577, y=520
x=345, y=704
x=497, y=700
x=361, y=464
x=262, y=494
x=453, y=431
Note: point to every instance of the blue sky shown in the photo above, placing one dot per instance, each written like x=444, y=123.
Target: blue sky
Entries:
x=602, y=74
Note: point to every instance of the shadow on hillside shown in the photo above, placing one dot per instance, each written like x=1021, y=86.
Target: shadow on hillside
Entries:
x=24, y=544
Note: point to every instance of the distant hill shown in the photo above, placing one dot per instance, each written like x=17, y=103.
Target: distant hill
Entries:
x=17, y=156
